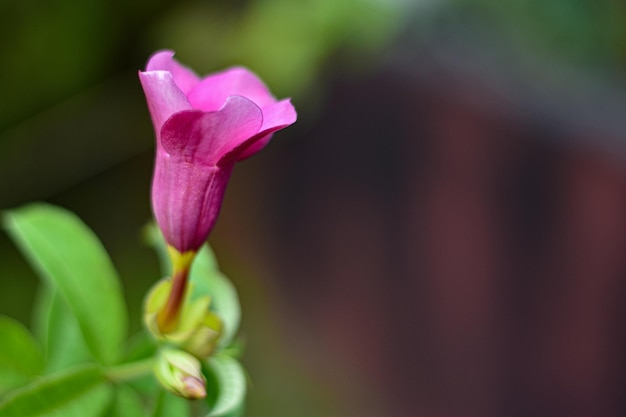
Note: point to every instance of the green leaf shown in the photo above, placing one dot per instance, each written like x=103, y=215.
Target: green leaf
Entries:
x=21, y=357
x=69, y=255
x=59, y=331
x=142, y=346
x=127, y=403
x=80, y=392
x=169, y=405
x=227, y=377
x=44, y=298
x=208, y=280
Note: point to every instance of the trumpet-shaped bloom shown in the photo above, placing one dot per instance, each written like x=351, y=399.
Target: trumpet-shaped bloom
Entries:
x=203, y=127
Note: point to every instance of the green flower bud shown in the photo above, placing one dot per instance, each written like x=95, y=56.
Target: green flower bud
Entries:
x=203, y=340
x=198, y=329
x=180, y=373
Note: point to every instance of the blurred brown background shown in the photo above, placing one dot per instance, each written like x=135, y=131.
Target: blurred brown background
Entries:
x=441, y=234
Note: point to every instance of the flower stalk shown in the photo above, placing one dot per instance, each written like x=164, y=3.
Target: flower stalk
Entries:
x=167, y=318
x=130, y=371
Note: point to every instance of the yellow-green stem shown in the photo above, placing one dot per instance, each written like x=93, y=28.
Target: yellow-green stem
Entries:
x=132, y=370
x=167, y=318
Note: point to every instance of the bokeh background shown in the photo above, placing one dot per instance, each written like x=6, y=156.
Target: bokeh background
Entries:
x=441, y=234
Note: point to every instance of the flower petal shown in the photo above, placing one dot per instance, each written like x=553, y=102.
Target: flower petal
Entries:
x=212, y=92
x=197, y=136
x=164, y=97
x=203, y=126
x=278, y=115
x=186, y=199
x=275, y=117
x=184, y=77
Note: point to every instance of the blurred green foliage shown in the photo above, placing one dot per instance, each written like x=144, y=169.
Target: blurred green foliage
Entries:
x=583, y=33
x=286, y=42
x=53, y=50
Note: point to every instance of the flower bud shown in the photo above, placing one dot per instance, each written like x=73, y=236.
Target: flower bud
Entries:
x=197, y=330
x=180, y=373
x=203, y=340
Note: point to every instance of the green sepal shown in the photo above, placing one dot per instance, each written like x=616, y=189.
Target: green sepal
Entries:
x=198, y=329
x=207, y=281
x=226, y=386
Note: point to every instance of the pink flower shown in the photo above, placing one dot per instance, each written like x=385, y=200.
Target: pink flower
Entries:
x=203, y=127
